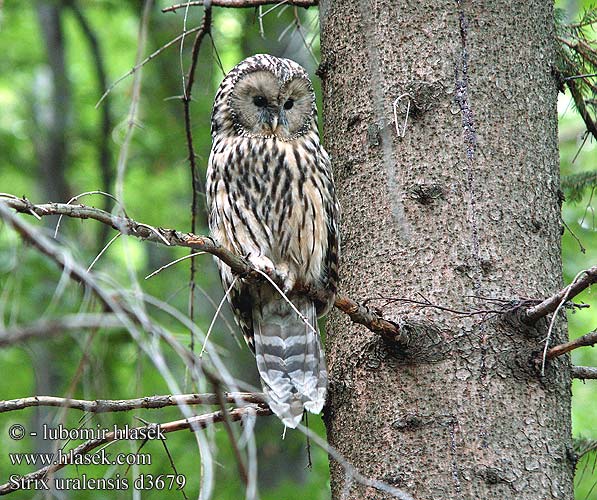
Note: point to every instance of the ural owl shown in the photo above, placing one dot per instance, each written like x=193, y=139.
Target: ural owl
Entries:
x=271, y=198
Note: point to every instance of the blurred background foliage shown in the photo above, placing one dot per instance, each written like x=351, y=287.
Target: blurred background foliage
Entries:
x=157, y=191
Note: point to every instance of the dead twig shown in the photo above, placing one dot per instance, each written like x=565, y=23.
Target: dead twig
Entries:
x=47, y=328
x=198, y=188
x=589, y=339
x=236, y=4
x=117, y=405
x=584, y=372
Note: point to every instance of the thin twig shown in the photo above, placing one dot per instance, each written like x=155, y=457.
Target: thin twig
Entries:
x=196, y=182
x=215, y=316
x=103, y=250
x=584, y=372
x=236, y=4
x=118, y=405
x=166, y=266
x=575, y=77
x=395, y=106
x=292, y=306
x=553, y=321
x=242, y=469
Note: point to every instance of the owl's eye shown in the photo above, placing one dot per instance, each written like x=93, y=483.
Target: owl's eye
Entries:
x=288, y=104
x=260, y=101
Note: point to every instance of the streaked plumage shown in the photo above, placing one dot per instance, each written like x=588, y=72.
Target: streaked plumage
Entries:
x=271, y=198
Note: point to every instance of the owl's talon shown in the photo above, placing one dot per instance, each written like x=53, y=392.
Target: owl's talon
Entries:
x=263, y=264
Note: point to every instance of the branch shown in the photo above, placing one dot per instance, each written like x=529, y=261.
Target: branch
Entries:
x=589, y=339
x=584, y=372
x=130, y=227
x=116, y=405
x=197, y=185
x=533, y=314
x=362, y=315
x=579, y=100
x=242, y=4
x=47, y=328
x=104, y=139
x=358, y=313
x=193, y=424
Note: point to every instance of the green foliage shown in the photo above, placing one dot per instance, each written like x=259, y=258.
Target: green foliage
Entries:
x=575, y=186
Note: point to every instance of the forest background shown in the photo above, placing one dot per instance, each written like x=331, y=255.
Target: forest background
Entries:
x=157, y=190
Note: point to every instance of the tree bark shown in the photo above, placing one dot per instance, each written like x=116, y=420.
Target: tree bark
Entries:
x=465, y=204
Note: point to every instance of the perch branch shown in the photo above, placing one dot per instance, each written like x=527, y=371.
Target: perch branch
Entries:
x=533, y=314
x=116, y=405
x=242, y=4
x=584, y=372
x=358, y=313
x=193, y=424
x=586, y=340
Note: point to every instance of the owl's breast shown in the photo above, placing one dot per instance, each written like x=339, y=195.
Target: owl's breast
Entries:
x=271, y=193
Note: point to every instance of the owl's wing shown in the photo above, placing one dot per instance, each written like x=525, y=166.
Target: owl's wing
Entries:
x=329, y=275
x=240, y=301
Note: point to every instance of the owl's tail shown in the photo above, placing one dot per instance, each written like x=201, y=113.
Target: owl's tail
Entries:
x=289, y=357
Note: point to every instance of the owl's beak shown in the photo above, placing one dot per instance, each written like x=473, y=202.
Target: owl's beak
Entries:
x=273, y=122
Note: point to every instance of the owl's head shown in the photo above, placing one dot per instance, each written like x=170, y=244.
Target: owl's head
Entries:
x=265, y=96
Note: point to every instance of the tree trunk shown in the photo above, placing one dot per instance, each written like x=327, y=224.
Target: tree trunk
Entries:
x=461, y=202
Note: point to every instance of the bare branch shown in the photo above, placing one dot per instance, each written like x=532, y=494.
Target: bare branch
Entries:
x=241, y=4
x=533, y=314
x=104, y=156
x=364, y=316
x=137, y=229
x=116, y=405
x=198, y=188
x=581, y=107
x=46, y=328
x=193, y=424
x=584, y=372
x=358, y=313
x=589, y=339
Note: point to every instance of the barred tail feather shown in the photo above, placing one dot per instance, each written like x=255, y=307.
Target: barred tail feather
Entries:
x=290, y=358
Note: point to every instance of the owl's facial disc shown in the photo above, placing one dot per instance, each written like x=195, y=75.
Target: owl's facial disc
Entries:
x=264, y=107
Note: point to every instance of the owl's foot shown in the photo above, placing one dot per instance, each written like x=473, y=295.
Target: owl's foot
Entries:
x=287, y=278
x=281, y=275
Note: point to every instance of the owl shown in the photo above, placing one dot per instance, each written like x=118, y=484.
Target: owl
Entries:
x=271, y=199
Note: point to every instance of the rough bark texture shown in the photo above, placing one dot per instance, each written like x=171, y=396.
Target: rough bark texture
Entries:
x=466, y=203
